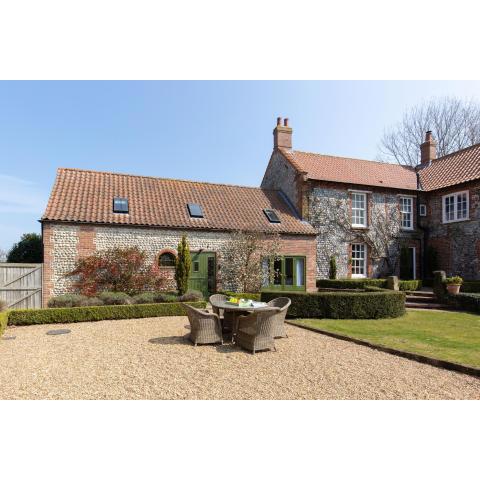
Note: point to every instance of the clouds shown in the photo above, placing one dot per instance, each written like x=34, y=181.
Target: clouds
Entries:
x=18, y=195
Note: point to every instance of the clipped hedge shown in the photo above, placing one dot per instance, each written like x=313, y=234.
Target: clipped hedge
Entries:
x=352, y=283
x=465, y=301
x=409, y=285
x=3, y=321
x=246, y=296
x=472, y=286
x=374, y=303
x=104, y=312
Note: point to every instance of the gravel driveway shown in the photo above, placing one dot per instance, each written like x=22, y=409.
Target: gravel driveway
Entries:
x=152, y=359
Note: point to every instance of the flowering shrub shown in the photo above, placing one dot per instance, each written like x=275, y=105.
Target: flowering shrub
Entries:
x=116, y=270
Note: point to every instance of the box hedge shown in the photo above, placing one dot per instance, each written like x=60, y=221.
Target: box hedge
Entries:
x=104, y=312
x=409, y=285
x=373, y=303
x=465, y=301
x=246, y=296
x=472, y=286
x=352, y=283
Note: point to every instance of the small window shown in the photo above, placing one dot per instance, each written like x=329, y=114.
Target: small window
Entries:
x=196, y=266
x=455, y=207
x=406, y=209
x=167, y=260
x=271, y=215
x=359, y=260
x=195, y=210
x=423, y=210
x=359, y=209
x=120, y=205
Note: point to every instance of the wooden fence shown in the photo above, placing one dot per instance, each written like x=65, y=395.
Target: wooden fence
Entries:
x=21, y=285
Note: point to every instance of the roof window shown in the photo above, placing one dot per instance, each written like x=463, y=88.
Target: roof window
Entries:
x=120, y=205
x=271, y=215
x=195, y=210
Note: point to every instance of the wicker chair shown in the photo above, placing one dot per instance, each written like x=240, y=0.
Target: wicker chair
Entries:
x=281, y=305
x=255, y=331
x=227, y=318
x=204, y=327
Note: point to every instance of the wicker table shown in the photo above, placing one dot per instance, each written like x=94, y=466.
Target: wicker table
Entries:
x=238, y=310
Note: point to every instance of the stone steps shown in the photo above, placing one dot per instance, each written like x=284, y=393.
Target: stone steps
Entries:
x=423, y=299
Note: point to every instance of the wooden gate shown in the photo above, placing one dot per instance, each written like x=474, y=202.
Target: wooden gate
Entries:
x=21, y=285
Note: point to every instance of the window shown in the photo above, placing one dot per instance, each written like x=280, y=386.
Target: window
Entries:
x=167, y=260
x=359, y=260
x=406, y=209
x=271, y=215
x=120, y=205
x=195, y=210
x=288, y=274
x=455, y=207
x=423, y=210
x=359, y=209
x=196, y=266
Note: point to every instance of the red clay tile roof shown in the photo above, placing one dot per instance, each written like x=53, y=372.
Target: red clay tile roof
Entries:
x=87, y=196
x=458, y=167
x=352, y=170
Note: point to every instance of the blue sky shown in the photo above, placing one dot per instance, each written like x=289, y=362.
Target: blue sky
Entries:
x=211, y=131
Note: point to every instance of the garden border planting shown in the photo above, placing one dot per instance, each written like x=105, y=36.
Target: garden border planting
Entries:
x=104, y=312
x=372, y=303
x=435, y=362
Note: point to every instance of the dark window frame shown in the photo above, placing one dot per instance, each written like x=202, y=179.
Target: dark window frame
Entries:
x=271, y=215
x=120, y=210
x=191, y=210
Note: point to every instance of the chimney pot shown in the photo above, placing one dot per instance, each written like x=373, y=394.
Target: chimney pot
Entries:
x=279, y=120
x=285, y=122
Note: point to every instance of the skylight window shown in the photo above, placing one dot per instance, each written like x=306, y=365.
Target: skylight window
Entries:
x=120, y=205
x=271, y=215
x=195, y=210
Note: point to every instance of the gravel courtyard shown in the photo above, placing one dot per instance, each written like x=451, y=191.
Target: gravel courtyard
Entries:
x=152, y=359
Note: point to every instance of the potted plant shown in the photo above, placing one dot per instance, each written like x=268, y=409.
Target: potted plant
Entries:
x=453, y=284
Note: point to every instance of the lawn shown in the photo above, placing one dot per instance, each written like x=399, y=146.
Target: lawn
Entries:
x=452, y=336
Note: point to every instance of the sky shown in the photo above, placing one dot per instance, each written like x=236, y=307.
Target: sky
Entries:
x=205, y=130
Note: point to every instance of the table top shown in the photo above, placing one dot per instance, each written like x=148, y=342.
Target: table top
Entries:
x=248, y=308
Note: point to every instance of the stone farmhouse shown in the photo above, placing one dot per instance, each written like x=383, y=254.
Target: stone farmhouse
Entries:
x=374, y=218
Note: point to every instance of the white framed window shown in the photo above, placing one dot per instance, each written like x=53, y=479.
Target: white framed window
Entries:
x=406, y=213
x=423, y=210
x=359, y=260
x=455, y=207
x=359, y=209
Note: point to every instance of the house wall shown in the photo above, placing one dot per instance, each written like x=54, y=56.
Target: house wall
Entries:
x=332, y=241
x=457, y=244
x=280, y=175
x=65, y=243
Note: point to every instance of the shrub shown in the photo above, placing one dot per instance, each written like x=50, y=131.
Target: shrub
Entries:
x=465, y=301
x=117, y=270
x=453, y=281
x=3, y=321
x=410, y=285
x=374, y=303
x=471, y=287
x=154, y=297
x=115, y=298
x=332, y=268
x=73, y=300
x=28, y=250
x=246, y=296
x=183, y=264
x=90, y=314
x=352, y=283
x=191, y=296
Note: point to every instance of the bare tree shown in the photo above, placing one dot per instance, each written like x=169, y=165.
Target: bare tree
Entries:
x=3, y=255
x=331, y=217
x=243, y=260
x=455, y=124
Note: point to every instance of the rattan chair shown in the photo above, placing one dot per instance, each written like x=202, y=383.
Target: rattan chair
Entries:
x=281, y=305
x=227, y=318
x=204, y=327
x=255, y=331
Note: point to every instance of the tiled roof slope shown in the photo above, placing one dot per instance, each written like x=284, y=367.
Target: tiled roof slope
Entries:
x=87, y=196
x=458, y=167
x=352, y=170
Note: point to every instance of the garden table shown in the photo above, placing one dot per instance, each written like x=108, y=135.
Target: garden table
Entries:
x=237, y=310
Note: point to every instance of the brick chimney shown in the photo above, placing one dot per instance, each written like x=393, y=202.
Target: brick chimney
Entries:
x=428, y=150
x=282, y=134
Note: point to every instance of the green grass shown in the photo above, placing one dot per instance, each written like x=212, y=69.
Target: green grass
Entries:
x=452, y=336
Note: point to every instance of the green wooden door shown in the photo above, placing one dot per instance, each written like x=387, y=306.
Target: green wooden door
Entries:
x=289, y=274
x=202, y=274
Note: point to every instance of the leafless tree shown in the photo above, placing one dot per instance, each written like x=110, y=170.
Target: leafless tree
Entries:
x=3, y=255
x=331, y=217
x=243, y=260
x=455, y=124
